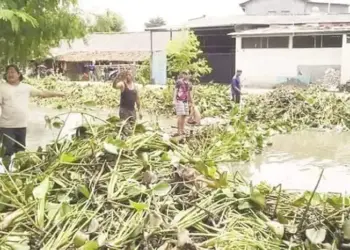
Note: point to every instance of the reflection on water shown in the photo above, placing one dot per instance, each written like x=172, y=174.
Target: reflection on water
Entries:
x=39, y=134
x=295, y=161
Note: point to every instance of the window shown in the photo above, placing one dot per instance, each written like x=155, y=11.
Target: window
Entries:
x=328, y=41
x=265, y=42
x=285, y=12
x=332, y=41
x=348, y=38
x=271, y=12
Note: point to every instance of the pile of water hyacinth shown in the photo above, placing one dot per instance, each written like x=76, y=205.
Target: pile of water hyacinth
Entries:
x=112, y=188
x=283, y=109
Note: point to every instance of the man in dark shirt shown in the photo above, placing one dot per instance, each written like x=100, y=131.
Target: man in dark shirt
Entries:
x=236, y=87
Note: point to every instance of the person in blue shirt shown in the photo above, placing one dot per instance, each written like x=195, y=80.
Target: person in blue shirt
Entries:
x=236, y=87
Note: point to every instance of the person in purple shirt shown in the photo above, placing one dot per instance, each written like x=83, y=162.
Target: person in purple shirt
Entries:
x=236, y=87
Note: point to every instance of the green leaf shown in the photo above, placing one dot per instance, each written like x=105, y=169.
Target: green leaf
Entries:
x=18, y=246
x=277, y=228
x=346, y=229
x=84, y=191
x=57, y=124
x=90, y=103
x=138, y=206
x=110, y=148
x=161, y=189
x=80, y=238
x=258, y=199
x=90, y=245
x=40, y=191
x=316, y=236
x=244, y=206
x=67, y=158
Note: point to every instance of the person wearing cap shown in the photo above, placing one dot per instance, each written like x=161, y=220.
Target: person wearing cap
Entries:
x=236, y=87
x=14, y=103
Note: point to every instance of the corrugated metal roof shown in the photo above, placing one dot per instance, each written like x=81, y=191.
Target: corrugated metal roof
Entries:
x=86, y=56
x=233, y=20
x=291, y=29
x=117, y=42
x=342, y=2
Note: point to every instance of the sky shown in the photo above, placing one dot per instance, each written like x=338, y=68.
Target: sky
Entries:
x=174, y=12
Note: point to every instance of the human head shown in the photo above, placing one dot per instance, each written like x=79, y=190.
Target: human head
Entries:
x=13, y=74
x=239, y=72
x=185, y=75
x=128, y=75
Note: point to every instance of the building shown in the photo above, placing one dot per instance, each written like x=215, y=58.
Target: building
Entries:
x=294, y=7
x=105, y=48
x=293, y=53
x=221, y=50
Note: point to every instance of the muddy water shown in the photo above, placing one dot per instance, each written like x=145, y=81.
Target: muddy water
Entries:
x=294, y=160
x=39, y=134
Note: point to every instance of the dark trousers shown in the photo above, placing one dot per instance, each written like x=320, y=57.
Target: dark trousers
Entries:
x=13, y=139
x=236, y=97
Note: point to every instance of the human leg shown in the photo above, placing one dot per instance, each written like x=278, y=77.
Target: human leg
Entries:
x=7, y=138
x=20, y=137
x=181, y=112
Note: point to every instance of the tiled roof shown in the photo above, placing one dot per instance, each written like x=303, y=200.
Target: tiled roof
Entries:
x=117, y=42
x=233, y=20
x=342, y=2
x=86, y=56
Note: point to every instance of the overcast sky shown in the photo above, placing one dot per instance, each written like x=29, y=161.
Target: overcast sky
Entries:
x=137, y=12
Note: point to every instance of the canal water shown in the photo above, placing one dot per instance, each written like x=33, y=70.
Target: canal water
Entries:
x=294, y=160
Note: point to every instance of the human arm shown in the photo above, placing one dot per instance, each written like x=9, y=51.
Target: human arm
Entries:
x=118, y=85
x=138, y=103
x=45, y=93
x=176, y=91
x=190, y=95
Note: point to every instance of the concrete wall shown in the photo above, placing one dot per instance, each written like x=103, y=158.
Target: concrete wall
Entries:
x=323, y=8
x=262, y=7
x=345, y=59
x=266, y=67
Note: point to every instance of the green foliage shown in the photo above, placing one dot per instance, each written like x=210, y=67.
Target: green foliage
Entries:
x=185, y=54
x=29, y=29
x=108, y=22
x=143, y=73
x=155, y=22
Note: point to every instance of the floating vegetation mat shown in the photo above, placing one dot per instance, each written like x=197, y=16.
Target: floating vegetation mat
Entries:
x=108, y=189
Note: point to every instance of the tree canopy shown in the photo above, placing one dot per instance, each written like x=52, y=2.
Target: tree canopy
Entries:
x=155, y=22
x=30, y=28
x=108, y=22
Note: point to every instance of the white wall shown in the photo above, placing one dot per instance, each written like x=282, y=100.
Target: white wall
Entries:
x=345, y=70
x=262, y=67
x=323, y=8
x=262, y=7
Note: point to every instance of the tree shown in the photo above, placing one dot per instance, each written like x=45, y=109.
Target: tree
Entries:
x=184, y=53
x=155, y=22
x=108, y=22
x=29, y=29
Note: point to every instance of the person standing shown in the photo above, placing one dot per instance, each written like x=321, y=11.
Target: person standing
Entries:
x=182, y=100
x=129, y=96
x=236, y=87
x=14, y=103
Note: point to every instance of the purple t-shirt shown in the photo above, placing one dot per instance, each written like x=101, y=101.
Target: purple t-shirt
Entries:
x=183, y=90
x=235, y=84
